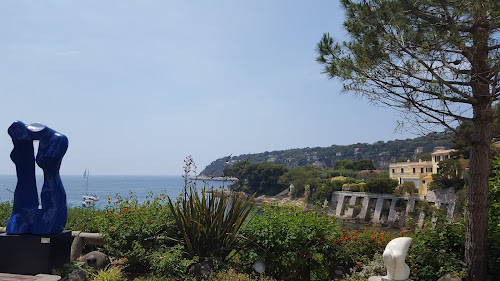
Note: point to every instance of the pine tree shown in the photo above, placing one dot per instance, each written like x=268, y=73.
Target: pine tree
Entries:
x=437, y=62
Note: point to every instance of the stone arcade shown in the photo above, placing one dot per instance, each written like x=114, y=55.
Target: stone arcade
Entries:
x=388, y=209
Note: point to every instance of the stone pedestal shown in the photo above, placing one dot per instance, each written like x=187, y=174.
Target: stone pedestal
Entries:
x=33, y=254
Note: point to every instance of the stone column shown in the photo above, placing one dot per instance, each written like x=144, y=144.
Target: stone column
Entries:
x=378, y=210
x=350, y=211
x=392, y=211
x=421, y=218
x=340, y=205
x=364, y=209
x=451, y=209
x=410, y=207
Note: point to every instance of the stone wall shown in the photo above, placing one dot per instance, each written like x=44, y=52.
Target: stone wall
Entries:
x=388, y=209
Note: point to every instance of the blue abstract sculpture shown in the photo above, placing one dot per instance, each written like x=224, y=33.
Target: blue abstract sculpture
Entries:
x=28, y=215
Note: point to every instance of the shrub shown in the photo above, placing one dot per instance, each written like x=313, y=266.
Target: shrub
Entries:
x=231, y=275
x=170, y=262
x=354, y=187
x=292, y=244
x=356, y=246
x=83, y=219
x=494, y=221
x=374, y=267
x=437, y=249
x=133, y=231
x=367, y=175
x=109, y=274
x=329, y=173
x=301, y=177
x=325, y=190
x=405, y=189
x=260, y=178
x=79, y=219
x=381, y=185
x=5, y=210
x=209, y=223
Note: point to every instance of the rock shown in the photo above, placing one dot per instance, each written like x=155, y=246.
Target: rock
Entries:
x=201, y=268
x=449, y=277
x=77, y=275
x=95, y=259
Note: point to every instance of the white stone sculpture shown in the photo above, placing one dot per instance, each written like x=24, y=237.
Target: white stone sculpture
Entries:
x=394, y=260
x=291, y=189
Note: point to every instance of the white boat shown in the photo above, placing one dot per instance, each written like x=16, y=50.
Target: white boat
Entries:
x=92, y=197
x=88, y=200
x=88, y=203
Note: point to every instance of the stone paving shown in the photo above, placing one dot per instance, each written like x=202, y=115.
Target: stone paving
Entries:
x=18, y=277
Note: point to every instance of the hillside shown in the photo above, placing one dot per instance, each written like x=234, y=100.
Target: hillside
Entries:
x=381, y=153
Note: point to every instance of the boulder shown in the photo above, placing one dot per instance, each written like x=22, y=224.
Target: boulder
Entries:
x=76, y=275
x=201, y=268
x=95, y=259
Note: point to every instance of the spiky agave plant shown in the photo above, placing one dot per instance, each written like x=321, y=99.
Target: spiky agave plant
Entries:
x=209, y=222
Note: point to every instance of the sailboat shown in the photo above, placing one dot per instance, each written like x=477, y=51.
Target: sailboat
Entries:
x=88, y=200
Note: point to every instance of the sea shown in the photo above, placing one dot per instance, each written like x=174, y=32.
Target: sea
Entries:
x=104, y=186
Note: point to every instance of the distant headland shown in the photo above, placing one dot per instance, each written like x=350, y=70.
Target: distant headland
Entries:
x=381, y=153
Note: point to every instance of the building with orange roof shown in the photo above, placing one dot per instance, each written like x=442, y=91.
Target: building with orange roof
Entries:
x=420, y=173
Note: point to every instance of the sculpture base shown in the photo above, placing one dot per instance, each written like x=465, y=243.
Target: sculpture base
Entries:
x=32, y=254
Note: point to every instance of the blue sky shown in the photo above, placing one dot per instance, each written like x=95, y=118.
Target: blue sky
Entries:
x=138, y=85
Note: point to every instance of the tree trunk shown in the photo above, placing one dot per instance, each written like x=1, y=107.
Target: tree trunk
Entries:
x=477, y=206
x=476, y=236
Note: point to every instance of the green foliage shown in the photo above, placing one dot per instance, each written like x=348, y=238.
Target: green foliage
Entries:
x=425, y=156
x=402, y=159
x=109, y=274
x=133, y=231
x=325, y=190
x=374, y=267
x=379, y=152
x=330, y=173
x=364, y=164
x=84, y=219
x=437, y=249
x=261, y=178
x=462, y=138
x=170, y=262
x=494, y=221
x=67, y=268
x=79, y=219
x=407, y=188
x=450, y=174
x=381, y=185
x=300, y=177
x=355, y=187
x=231, y=275
x=5, y=210
x=367, y=175
x=355, y=247
x=210, y=223
x=384, y=174
x=423, y=58
x=292, y=244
